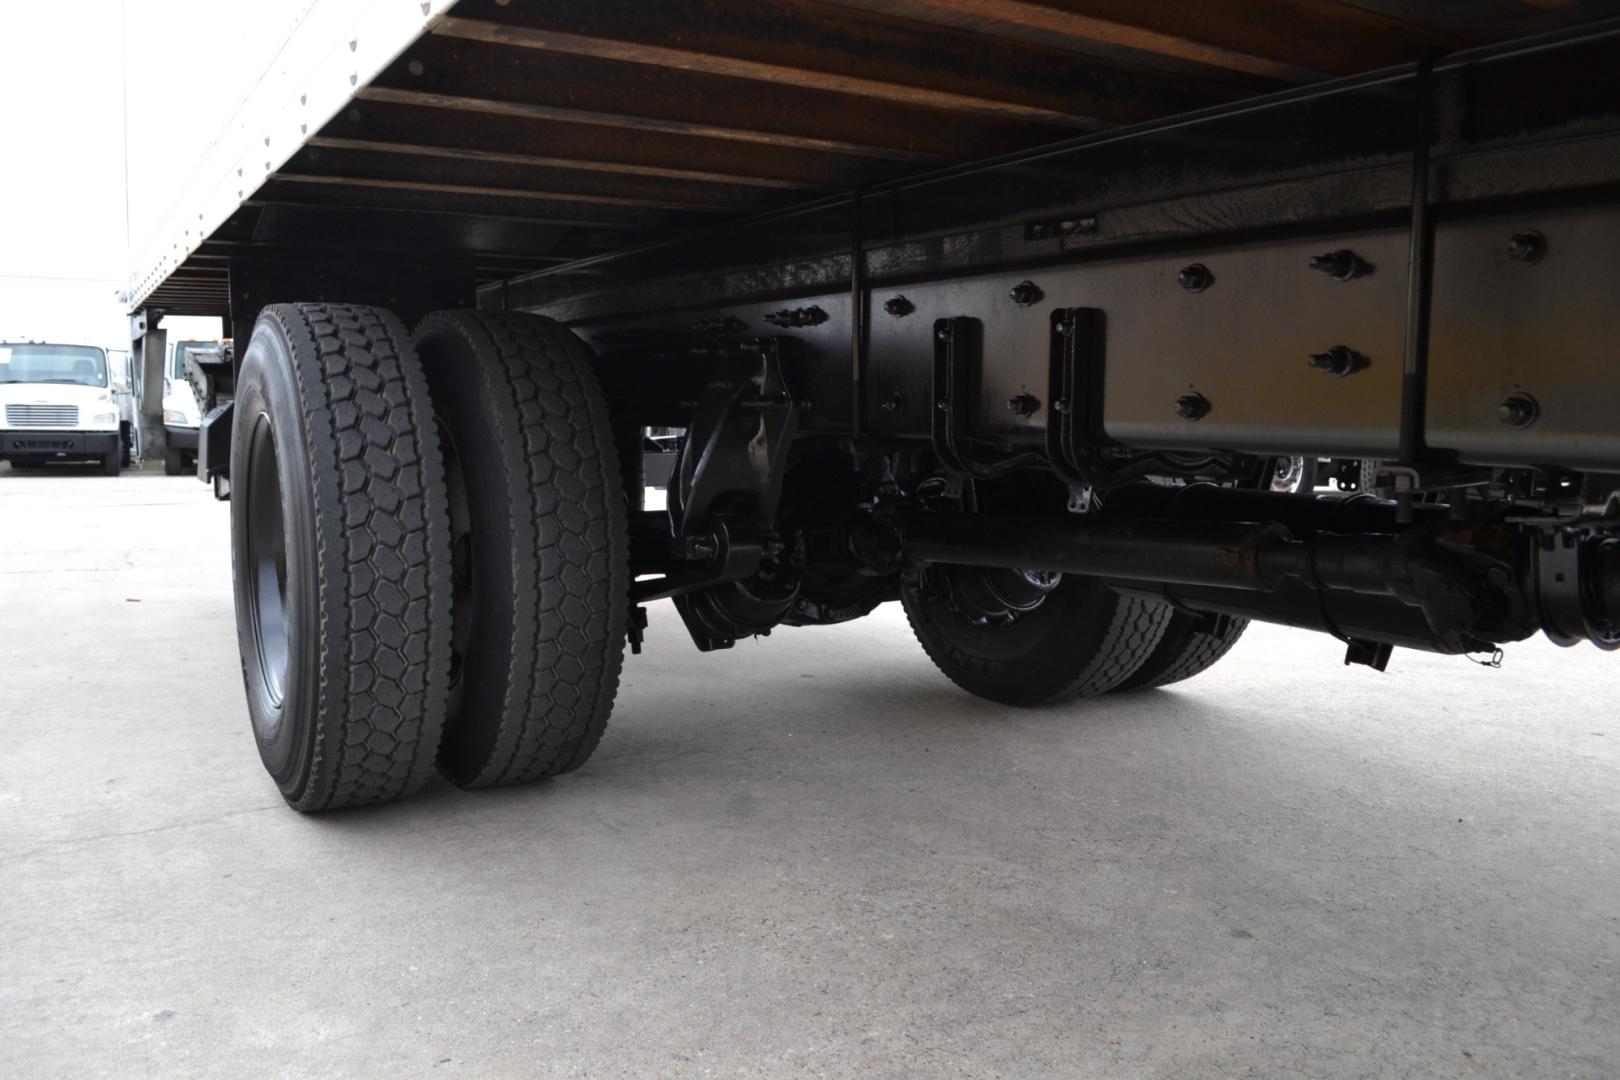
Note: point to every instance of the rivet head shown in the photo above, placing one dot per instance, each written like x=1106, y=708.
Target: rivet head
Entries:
x=891, y=403
x=1192, y=406
x=1519, y=410
x=1528, y=247
x=1195, y=278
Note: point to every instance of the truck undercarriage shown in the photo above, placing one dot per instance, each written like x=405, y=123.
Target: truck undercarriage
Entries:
x=1038, y=398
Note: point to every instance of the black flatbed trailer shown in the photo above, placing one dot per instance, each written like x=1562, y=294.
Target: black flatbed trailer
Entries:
x=1008, y=311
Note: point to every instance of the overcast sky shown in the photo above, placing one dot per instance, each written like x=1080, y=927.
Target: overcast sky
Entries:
x=62, y=211
x=64, y=237
x=62, y=191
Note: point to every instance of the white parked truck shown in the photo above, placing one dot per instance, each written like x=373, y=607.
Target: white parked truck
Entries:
x=1017, y=313
x=121, y=367
x=182, y=413
x=57, y=404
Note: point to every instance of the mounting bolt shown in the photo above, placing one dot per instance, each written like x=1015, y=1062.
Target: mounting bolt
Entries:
x=899, y=306
x=1192, y=406
x=943, y=332
x=1061, y=405
x=1023, y=404
x=702, y=547
x=1528, y=247
x=1341, y=265
x=1519, y=410
x=1341, y=361
x=1195, y=278
x=943, y=405
x=1025, y=293
x=891, y=403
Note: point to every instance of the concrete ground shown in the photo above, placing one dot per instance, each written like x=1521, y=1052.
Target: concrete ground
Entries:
x=809, y=856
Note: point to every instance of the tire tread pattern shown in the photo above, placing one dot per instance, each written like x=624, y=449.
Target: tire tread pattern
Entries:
x=382, y=541
x=1186, y=652
x=567, y=522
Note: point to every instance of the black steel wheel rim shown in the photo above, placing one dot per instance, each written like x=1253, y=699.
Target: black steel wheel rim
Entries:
x=996, y=599
x=267, y=562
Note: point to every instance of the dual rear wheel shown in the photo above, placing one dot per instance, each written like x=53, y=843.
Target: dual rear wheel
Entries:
x=430, y=552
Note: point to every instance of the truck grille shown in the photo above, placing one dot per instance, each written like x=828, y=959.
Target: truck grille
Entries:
x=42, y=416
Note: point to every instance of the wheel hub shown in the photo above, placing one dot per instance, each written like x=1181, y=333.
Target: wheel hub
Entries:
x=1288, y=473
x=994, y=596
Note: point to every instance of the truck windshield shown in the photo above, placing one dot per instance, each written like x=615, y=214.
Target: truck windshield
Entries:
x=79, y=364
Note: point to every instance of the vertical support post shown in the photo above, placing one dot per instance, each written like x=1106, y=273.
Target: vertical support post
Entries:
x=152, y=347
x=1415, y=348
x=955, y=390
x=857, y=325
x=1074, y=390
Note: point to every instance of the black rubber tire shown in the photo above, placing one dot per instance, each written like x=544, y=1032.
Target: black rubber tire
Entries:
x=1082, y=640
x=174, y=462
x=112, y=463
x=542, y=620
x=1190, y=645
x=334, y=447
